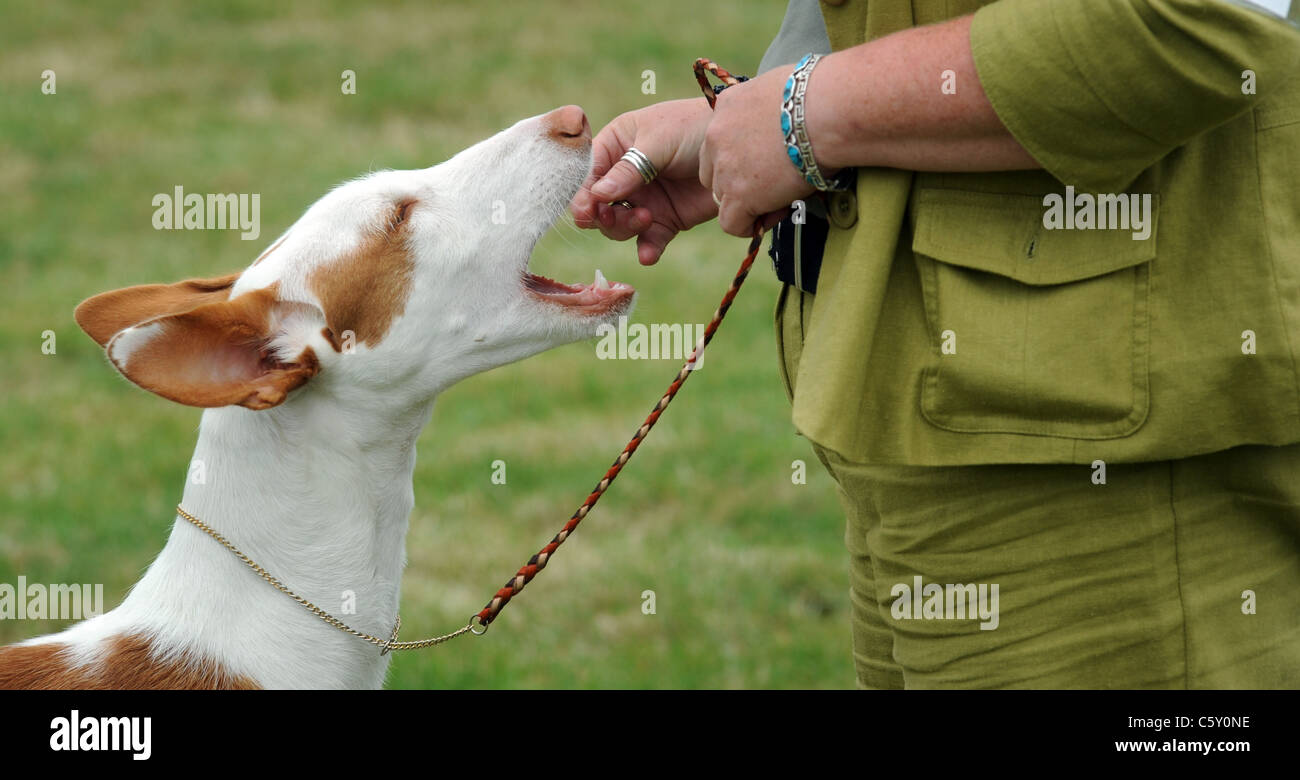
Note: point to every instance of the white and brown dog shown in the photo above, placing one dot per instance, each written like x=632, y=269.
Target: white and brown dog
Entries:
x=319, y=365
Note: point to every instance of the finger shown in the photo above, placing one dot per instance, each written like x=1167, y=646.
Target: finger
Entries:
x=774, y=217
x=606, y=148
x=624, y=223
x=735, y=220
x=605, y=215
x=628, y=222
x=706, y=165
x=651, y=243
x=620, y=182
x=583, y=209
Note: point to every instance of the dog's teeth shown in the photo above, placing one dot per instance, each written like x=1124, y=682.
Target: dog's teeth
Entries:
x=601, y=282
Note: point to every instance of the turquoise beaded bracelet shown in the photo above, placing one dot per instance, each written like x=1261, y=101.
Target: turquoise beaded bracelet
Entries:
x=797, y=145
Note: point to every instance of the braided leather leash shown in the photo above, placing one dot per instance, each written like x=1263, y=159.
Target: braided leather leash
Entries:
x=538, y=562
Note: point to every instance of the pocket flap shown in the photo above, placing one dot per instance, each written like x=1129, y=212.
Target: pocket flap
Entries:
x=1004, y=233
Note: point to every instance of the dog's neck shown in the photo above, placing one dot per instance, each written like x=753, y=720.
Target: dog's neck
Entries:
x=319, y=494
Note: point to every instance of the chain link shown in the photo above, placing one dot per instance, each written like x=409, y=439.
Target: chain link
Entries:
x=387, y=645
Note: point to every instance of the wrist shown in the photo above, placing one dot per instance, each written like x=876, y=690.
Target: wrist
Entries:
x=795, y=117
x=824, y=119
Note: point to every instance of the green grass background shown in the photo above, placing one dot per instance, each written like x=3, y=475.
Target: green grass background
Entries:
x=748, y=569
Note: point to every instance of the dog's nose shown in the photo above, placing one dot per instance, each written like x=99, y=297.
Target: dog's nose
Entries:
x=568, y=125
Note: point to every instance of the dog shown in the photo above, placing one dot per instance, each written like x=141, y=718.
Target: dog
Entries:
x=318, y=367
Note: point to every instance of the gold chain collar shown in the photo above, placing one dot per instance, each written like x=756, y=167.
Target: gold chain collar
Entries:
x=387, y=645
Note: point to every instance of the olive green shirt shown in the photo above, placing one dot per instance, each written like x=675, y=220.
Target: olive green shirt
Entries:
x=954, y=323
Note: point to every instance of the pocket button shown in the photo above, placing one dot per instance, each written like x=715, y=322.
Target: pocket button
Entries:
x=844, y=209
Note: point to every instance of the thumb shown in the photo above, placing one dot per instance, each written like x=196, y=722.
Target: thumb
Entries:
x=621, y=181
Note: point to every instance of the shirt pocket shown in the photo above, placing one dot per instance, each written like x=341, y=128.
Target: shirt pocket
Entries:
x=1034, y=331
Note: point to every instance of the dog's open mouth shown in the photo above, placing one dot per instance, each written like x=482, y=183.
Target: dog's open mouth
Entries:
x=599, y=297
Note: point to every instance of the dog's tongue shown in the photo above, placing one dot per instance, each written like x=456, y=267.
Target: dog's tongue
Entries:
x=600, y=290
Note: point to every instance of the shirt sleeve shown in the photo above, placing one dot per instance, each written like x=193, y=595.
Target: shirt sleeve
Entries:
x=802, y=31
x=1099, y=90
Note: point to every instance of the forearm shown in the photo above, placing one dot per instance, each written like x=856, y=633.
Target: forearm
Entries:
x=883, y=103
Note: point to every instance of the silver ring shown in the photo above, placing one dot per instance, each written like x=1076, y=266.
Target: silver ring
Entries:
x=623, y=203
x=716, y=199
x=642, y=164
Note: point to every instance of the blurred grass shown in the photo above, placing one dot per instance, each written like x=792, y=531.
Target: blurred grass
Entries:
x=748, y=569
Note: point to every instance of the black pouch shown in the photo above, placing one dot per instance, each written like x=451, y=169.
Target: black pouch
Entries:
x=797, y=248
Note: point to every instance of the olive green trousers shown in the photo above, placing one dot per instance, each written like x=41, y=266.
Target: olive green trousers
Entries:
x=1171, y=574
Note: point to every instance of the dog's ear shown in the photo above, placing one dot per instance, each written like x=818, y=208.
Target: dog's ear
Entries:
x=186, y=342
x=107, y=314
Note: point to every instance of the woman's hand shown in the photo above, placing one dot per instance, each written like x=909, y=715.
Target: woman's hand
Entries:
x=743, y=160
x=669, y=134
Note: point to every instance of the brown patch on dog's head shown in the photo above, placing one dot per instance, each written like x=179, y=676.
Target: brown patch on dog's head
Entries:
x=367, y=289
